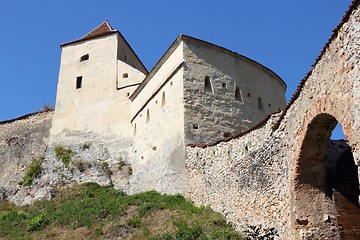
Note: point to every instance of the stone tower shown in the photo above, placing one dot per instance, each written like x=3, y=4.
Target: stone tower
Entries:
x=98, y=73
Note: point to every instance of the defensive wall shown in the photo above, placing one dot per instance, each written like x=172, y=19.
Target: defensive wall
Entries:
x=274, y=175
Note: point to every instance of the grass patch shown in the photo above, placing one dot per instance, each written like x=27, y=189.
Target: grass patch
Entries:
x=97, y=211
x=32, y=171
x=64, y=155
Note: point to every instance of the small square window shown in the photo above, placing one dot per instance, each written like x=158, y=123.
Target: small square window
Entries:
x=78, y=82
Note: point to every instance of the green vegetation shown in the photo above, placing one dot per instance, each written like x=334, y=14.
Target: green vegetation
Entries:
x=90, y=211
x=64, y=155
x=85, y=146
x=32, y=171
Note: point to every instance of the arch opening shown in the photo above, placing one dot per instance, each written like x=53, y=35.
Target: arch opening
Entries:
x=326, y=184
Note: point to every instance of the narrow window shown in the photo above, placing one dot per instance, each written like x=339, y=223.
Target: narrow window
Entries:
x=269, y=104
x=238, y=95
x=223, y=85
x=127, y=94
x=163, y=100
x=125, y=58
x=249, y=94
x=208, y=87
x=195, y=126
x=148, y=116
x=125, y=75
x=135, y=129
x=78, y=82
x=84, y=58
x=260, y=103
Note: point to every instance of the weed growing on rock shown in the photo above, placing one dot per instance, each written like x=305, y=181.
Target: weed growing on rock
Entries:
x=85, y=146
x=32, y=171
x=64, y=155
x=121, y=164
x=80, y=165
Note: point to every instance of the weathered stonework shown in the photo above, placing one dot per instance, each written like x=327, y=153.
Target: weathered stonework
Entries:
x=20, y=142
x=160, y=130
x=281, y=181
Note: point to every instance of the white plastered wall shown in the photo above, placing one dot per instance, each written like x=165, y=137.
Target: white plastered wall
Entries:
x=97, y=110
x=159, y=152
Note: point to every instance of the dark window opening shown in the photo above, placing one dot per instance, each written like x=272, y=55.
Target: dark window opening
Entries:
x=249, y=94
x=125, y=57
x=260, y=103
x=208, y=87
x=125, y=75
x=148, y=116
x=195, y=126
x=238, y=94
x=127, y=94
x=227, y=134
x=223, y=85
x=78, y=82
x=84, y=58
x=163, y=100
x=269, y=104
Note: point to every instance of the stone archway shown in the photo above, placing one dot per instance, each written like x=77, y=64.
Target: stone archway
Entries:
x=316, y=216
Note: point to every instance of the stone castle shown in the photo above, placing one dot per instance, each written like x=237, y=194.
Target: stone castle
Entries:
x=205, y=122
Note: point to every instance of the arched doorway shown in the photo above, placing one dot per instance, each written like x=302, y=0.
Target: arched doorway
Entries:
x=326, y=185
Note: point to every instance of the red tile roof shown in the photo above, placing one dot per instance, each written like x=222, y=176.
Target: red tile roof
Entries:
x=101, y=30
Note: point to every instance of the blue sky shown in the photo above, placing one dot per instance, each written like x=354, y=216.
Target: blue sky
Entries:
x=285, y=36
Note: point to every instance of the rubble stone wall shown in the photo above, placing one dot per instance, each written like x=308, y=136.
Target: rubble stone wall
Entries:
x=20, y=142
x=273, y=176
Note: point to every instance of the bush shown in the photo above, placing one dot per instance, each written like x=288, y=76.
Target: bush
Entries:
x=32, y=171
x=64, y=155
x=134, y=222
x=259, y=233
x=36, y=223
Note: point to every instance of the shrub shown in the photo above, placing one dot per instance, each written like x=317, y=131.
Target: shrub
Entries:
x=257, y=232
x=64, y=154
x=134, y=222
x=32, y=171
x=36, y=223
